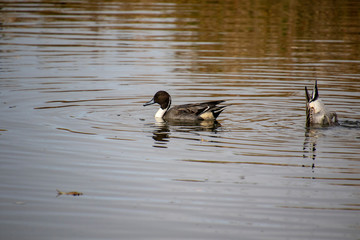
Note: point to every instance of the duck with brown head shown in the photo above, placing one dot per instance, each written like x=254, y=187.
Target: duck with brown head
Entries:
x=187, y=112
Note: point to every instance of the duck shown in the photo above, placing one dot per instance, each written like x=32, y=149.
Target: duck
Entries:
x=316, y=112
x=206, y=111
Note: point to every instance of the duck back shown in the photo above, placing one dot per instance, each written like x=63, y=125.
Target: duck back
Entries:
x=195, y=112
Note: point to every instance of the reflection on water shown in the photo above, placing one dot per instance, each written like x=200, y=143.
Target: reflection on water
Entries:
x=309, y=148
x=74, y=76
x=350, y=124
x=161, y=135
x=162, y=130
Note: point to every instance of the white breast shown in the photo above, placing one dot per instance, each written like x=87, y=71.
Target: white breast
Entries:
x=160, y=113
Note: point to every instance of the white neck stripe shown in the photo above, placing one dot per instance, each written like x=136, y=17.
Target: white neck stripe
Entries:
x=160, y=113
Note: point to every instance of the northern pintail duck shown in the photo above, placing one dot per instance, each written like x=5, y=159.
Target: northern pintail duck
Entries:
x=316, y=112
x=187, y=112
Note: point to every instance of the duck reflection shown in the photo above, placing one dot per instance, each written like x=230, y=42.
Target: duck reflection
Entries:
x=162, y=132
x=309, y=147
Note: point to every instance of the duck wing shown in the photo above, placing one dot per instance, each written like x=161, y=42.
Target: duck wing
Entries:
x=198, y=109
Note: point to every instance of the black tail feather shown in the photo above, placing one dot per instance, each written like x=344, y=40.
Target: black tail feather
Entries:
x=307, y=95
x=217, y=111
x=315, y=94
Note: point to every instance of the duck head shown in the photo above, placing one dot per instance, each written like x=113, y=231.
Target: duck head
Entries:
x=163, y=99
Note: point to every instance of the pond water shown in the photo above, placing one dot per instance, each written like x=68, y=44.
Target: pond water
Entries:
x=75, y=74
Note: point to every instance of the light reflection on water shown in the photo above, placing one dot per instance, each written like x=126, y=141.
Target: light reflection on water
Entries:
x=74, y=76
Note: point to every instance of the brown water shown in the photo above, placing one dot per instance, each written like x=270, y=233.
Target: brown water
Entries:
x=74, y=76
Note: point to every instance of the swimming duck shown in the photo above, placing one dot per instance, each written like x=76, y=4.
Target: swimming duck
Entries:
x=187, y=112
x=316, y=112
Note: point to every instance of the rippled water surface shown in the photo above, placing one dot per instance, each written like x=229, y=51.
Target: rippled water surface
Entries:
x=75, y=74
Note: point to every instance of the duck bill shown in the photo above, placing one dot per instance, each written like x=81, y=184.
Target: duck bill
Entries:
x=149, y=103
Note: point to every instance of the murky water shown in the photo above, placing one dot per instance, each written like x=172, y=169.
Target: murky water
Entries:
x=74, y=76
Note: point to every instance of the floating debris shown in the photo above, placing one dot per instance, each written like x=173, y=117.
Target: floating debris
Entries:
x=68, y=193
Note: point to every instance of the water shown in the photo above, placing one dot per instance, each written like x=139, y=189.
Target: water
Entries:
x=74, y=76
